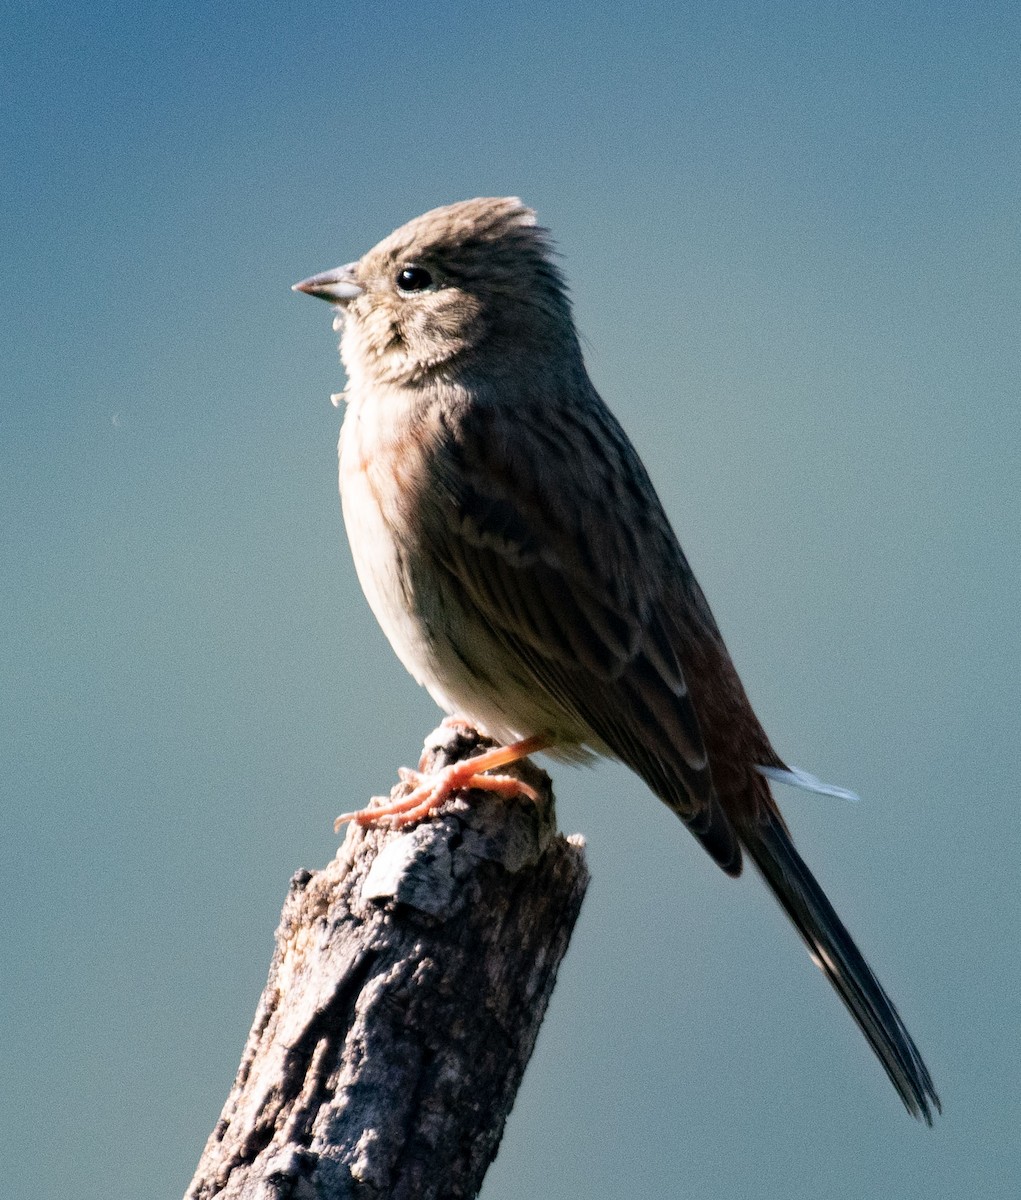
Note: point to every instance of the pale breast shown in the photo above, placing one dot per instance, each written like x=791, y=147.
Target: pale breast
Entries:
x=370, y=469
x=448, y=647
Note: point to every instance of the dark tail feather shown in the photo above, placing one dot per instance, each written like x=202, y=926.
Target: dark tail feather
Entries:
x=835, y=953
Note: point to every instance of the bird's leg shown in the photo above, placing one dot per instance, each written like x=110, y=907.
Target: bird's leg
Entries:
x=431, y=791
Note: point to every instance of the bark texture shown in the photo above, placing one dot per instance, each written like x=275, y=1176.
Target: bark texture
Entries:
x=407, y=988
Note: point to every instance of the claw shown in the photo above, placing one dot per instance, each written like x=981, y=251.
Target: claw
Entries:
x=431, y=791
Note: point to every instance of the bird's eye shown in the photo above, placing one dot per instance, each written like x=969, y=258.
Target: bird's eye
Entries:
x=413, y=279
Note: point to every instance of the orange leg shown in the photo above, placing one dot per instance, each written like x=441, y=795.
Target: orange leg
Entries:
x=432, y=791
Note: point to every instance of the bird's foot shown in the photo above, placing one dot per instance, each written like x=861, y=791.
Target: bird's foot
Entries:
x=431, y=791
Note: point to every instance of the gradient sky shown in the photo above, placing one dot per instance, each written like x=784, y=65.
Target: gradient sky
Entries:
x=792, y=237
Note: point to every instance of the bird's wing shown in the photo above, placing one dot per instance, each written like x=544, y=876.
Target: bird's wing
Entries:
x=576, y=570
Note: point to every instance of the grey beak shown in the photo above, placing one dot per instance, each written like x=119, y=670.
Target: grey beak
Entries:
x=336, y=286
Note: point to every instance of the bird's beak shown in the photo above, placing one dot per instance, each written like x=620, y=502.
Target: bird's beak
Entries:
x=336, y=286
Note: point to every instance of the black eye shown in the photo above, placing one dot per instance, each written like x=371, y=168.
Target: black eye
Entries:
x=413, y=279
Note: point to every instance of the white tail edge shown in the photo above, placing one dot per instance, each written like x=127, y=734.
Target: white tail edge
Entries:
x=795, y=777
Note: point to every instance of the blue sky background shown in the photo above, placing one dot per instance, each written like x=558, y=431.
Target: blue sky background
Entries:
x=792, y=237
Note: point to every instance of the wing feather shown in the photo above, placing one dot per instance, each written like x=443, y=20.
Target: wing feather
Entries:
x=544, y=576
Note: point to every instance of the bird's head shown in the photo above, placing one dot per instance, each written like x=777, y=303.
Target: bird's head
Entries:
x=468, y=284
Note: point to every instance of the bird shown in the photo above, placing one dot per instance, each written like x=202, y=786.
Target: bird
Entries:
x=513, y=548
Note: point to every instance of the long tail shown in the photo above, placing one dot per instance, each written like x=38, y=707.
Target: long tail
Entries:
x=833, y=950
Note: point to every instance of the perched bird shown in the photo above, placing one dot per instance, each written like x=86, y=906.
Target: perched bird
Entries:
x=512, y=546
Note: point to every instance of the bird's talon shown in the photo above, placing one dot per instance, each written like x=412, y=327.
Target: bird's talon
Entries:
x=431, y=791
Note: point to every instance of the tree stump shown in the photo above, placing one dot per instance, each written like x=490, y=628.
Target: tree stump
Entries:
x=407, y=988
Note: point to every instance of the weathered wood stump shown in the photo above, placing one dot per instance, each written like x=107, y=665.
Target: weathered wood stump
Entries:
x=407, y=988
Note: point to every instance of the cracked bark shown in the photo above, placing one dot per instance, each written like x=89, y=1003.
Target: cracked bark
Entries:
x=407, y=988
